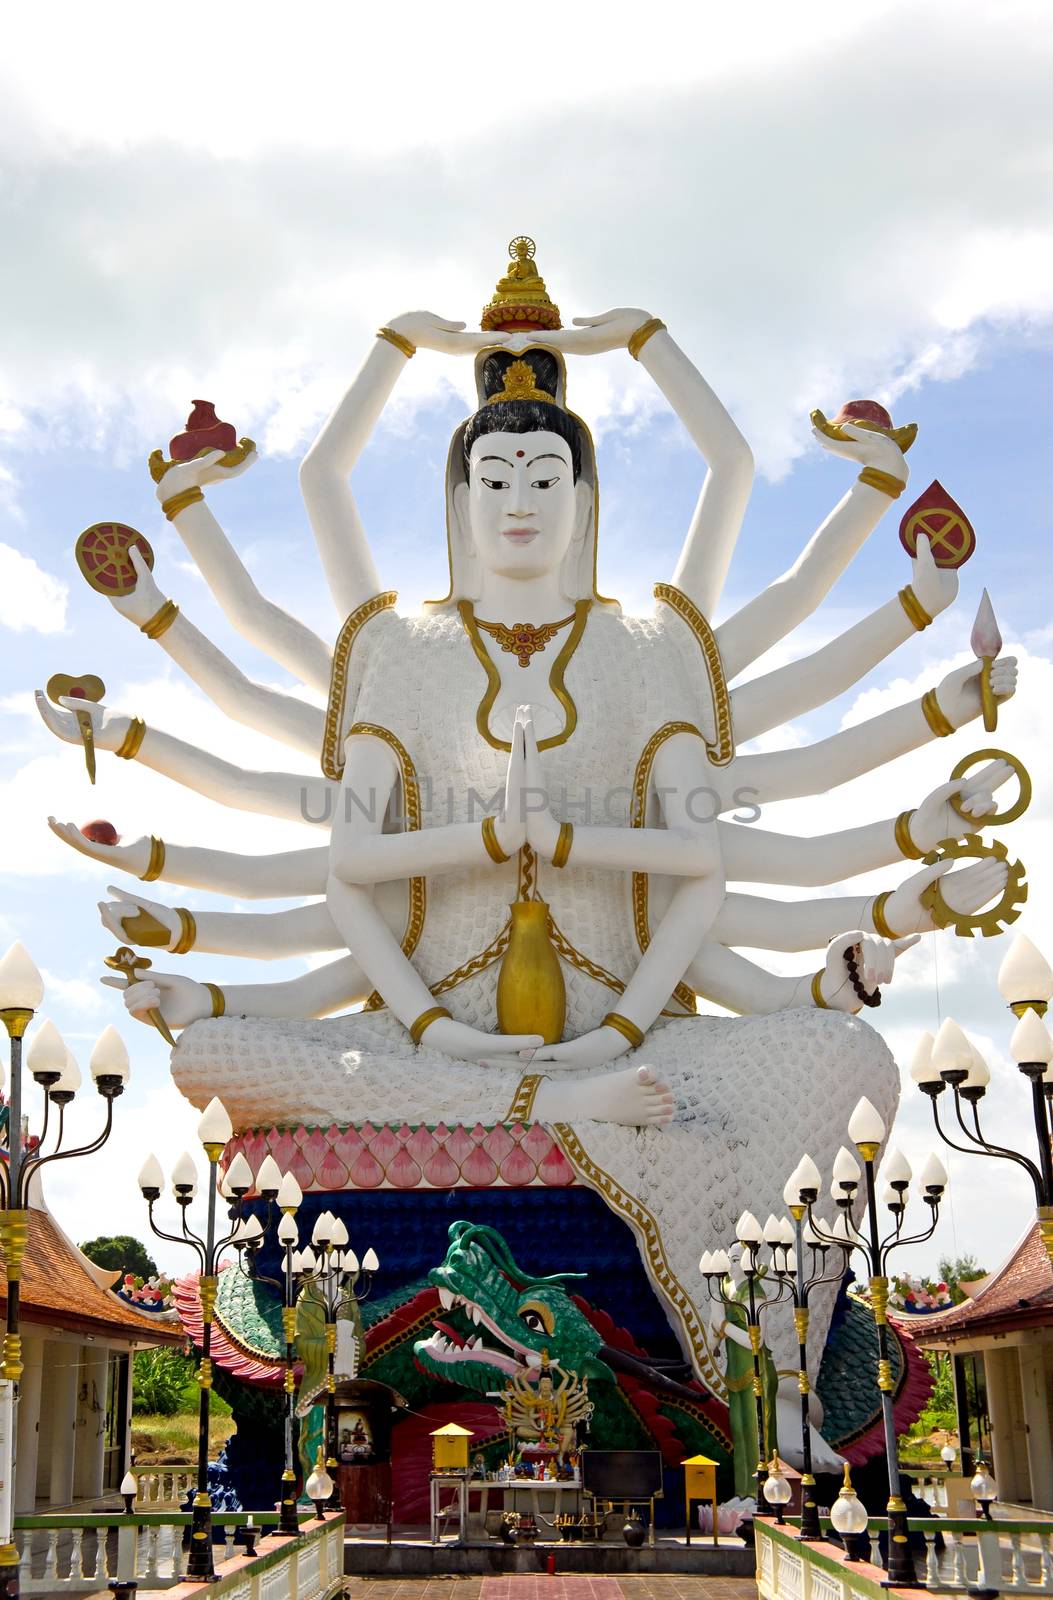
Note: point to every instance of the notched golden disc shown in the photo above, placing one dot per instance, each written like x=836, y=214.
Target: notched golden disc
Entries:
x=103, y=557
x=1023, y=799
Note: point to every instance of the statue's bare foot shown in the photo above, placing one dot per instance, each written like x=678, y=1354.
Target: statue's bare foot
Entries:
x=631, y=1097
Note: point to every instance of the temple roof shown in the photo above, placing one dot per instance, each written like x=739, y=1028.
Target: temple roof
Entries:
x=1018, y=1295
x=57, y=1289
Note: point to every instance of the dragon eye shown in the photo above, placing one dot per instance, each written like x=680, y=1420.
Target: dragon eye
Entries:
x=536, y=1316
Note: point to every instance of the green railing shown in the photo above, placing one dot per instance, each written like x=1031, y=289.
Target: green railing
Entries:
x=1012, y=1557
x=80, y=1553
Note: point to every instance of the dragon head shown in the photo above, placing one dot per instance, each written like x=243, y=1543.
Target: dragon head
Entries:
x=497, y=1320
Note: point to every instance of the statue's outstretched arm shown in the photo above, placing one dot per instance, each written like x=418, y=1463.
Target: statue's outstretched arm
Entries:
x=776, y=697
x=257, y=619
x=269, y=711
x=766, y=924
x=183, y=1000
x=264, y=877
x=790, y=599
x=730, y=980
x=755, y=855
x=327, y=466
x=292, y=796
x=815, y=768
x=263, y=935
x=714, y=530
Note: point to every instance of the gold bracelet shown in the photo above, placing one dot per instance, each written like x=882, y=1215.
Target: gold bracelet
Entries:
x=916, y=612
x=399, y=340
x=641, y=336
x=930, y=708
x=884, y=481
x=877, y=915
x=156, y=864
x=622, y=1025
x=904, y=842
x=187, y=932
x=161, y=620
x=493, y=848
x=817, y=992
x=561, y=854
x=179, y=502
x=128, y=748
x=219, y=1001
x=425, y=1020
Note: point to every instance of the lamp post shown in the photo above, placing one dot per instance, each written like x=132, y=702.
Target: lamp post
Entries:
x=57, y=1073
x=331, y=1273
x=214, y=1130
x=715, y=1268
x=248, y=1240
x=788, y=1256
x=951, y=1061
x=867, y=1130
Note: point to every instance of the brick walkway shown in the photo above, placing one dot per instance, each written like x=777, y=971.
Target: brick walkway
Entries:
x=572, y=1586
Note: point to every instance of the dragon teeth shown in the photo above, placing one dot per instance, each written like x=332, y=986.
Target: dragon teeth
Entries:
x=446, y=1299
x=474, y=1313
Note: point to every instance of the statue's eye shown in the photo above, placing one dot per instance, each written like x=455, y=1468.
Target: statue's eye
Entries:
x=533, y=1321
x=544, y=483
x=495, y=483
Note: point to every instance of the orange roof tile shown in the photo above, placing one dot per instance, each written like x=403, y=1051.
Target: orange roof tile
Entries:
x=57, y=1290
x=1019, y=1295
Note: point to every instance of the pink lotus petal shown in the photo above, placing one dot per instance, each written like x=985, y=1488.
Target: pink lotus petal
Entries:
x=459, y=1146
x=985, y=638
x=479, y=1170
x=384, y=1146
x=403, y=1172
x=537, y=1142
x=366, y=1173
x=302, y=1171
x=332, y=1173
x=422, y=1144
x=348, y=1145
x=440, y=1171
x=498, y=1144
x=556, y=1170
x=517, y=1169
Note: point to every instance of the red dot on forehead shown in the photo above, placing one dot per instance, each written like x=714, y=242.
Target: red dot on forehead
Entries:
x=520, y=452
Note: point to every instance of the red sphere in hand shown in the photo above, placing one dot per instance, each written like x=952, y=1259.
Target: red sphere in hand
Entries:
x=864, y=411
x=100, y=832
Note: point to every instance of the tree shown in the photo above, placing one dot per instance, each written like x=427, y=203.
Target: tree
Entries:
x=956, y=1270
x=121, y=1253
x=159, y=1381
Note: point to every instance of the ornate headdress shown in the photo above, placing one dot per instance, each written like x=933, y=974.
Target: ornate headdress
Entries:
x=521, y=383
x=520, y=302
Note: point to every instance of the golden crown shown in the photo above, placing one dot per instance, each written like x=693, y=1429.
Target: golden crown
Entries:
x=521, y=384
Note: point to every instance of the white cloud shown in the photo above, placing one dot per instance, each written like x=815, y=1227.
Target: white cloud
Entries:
x=29, y=596
x=761, y=186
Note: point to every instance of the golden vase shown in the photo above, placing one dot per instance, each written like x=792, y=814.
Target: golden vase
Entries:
x=531, y=996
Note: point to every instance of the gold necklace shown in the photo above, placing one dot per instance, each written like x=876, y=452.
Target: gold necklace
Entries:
x=523, y=639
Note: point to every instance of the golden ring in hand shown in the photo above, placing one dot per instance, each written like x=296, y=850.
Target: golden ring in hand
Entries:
x=1023, y=799
x=990, y=922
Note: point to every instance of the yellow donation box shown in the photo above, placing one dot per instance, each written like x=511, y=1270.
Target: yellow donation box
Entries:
x=449, y=1450
x=700, y=1483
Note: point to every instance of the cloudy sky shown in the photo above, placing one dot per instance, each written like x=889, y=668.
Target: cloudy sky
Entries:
x=820, y=203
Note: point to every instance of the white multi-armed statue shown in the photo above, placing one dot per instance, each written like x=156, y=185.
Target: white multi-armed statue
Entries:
x=541, y=962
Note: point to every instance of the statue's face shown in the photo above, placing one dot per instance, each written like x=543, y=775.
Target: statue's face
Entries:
x=521, y=502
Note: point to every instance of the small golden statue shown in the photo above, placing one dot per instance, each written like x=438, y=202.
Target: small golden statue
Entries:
x=547, y=1414
x=521, y=302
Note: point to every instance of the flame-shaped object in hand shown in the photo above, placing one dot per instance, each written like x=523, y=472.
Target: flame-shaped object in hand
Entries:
x=986, y=643
x=949, y=530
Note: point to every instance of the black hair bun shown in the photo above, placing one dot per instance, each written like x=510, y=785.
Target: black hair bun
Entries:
x=543, y=364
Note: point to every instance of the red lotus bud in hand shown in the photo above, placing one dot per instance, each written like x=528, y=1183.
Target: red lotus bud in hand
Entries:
x=204, y=431
x=101, y=832
x=864, y=411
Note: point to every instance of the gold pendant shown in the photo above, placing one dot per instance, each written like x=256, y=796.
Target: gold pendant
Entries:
x=531, y=994
x=523, y=640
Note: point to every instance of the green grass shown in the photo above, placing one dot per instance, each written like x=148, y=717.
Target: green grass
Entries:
x=171, y=1441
